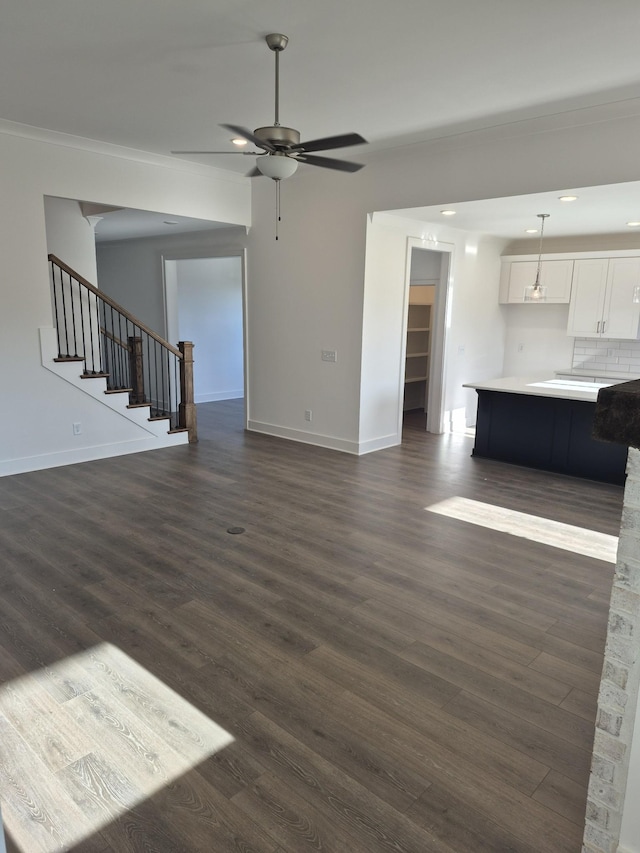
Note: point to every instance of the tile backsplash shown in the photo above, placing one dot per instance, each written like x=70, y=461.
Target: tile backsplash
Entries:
x=603, y=356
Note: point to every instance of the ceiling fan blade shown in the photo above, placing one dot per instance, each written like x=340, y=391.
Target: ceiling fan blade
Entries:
x=329, y=142
x=253, y=153
x=251, y=137
x=330, y=163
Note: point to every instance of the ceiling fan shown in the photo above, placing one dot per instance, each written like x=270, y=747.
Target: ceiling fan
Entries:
x=280, y=148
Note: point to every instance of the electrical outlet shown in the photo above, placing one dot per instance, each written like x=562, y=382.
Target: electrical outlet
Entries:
x=77, y=428
x=329, y=355
x=308, y=415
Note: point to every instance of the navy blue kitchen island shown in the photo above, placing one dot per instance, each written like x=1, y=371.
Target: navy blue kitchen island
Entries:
x=546, y=424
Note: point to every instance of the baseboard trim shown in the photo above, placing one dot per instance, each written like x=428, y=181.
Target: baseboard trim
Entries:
x=381, y=443
x=88, y=454
x=216, y=396
x=327, y=441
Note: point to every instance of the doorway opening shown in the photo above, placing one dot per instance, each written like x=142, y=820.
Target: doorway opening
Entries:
x=204, y=303
x=426, y=289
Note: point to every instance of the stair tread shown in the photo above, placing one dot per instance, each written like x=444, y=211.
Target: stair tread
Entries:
x=94, y=375
x=62, y=358
x=118, y=391
x=138, y=405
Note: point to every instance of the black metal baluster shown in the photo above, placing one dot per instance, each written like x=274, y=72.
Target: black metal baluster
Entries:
x=101, y=321
x=122, y=383
x=73, y=317
x=127, y=354
x=114, y=361
x=155, y=359
x=55, y=306
x=100, y=339
x=177, y=388
x=64, y=313
x=150, y=386
x=169, y=385
x=84, y=345
x=89, y=359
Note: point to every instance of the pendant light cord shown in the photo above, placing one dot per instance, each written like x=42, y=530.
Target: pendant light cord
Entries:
x=542, y=216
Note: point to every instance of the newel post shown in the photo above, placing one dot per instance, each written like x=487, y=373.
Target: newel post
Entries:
x=187, y=407
x=135, y=370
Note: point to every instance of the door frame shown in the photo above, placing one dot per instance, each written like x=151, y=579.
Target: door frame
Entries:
x=170, y=298
x=439, y=332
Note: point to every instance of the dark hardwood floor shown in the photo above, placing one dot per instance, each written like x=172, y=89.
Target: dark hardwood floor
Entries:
x=393, y=679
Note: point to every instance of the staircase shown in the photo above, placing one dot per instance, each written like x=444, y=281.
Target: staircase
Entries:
x=102, y=349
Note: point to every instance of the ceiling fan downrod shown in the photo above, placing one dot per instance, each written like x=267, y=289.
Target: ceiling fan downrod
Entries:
x=277, y=43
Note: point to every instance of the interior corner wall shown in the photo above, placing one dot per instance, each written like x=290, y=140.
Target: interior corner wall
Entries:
x=70, y=236
x=43, y=407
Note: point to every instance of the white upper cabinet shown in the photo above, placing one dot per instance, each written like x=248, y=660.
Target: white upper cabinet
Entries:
x=602, y=298
x=587, y=299
x=554, y=275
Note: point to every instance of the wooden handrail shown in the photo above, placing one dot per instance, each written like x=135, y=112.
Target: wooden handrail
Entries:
x=115, y=305
x=113, y=338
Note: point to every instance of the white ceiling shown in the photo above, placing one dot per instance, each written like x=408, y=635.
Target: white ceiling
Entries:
x=131, y=224
x=157, y=75
x=596, y=210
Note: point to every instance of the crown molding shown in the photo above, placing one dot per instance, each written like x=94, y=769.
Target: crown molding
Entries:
x=96, y=146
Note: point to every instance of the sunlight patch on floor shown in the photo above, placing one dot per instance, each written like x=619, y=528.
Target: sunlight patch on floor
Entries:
x=86, y=739
x=579, y=540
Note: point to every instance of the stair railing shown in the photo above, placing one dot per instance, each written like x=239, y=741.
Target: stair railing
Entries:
x=92, y=328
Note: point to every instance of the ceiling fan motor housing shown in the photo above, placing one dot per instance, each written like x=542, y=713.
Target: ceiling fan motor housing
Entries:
x=279, y=137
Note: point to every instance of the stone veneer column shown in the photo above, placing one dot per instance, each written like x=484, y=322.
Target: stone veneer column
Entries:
x=618, y=419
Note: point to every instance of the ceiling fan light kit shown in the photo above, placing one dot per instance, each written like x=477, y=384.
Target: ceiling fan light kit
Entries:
x=281, y=148
x=278, y=166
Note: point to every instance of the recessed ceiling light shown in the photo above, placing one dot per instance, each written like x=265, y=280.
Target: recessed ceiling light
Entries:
x=171, y=222
x=567, y=197
x=239, y=141
x=633, y=224
x=448, y=212
x=531, y=231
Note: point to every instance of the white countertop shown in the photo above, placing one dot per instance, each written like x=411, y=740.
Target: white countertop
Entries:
x=543, y=386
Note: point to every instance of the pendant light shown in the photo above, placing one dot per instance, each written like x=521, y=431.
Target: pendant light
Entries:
x=536, y=292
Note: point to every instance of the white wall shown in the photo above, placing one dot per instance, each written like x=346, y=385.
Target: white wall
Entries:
x=37, y=408
x=536, y=339
x=209, y=303
x=305, y=295
x=70, y=236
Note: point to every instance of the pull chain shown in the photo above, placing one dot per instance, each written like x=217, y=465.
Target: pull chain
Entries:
x=278, y=218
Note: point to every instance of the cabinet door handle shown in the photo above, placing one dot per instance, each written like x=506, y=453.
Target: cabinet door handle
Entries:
x=598, y=327
x=604, y=324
